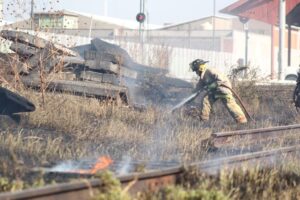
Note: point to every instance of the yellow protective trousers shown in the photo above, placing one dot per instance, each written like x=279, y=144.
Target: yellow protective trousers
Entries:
x=228, y=101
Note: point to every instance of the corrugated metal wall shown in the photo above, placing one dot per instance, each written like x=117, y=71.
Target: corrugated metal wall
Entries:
x=259, y=51
x=180, y=59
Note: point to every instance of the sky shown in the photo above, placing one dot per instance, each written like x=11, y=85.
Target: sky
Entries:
x=159, y=11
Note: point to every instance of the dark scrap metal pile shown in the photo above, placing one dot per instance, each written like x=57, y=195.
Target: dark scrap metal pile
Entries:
x=99, y=69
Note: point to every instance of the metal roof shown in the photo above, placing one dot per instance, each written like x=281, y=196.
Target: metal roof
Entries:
x=263, y=10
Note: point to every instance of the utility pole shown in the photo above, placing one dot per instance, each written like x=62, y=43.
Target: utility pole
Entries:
x=246, y=28
x=214, y=26
x=32, y=15
x=141, y=18
x=245, y=20
x=282, y=21
x=141, y=26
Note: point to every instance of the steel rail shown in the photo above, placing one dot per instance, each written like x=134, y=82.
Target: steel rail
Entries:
x=250, y=136
x=232, y=160
x=149, y=181
x=255, y=131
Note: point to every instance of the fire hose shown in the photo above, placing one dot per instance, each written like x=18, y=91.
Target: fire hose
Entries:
x=240, y=101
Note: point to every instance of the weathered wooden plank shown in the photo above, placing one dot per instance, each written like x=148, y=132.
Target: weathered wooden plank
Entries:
x=91, y=55
x=81, y=49
x=62, y=76
x=80, y=87
x=101, y=55
x=52, y=76
x=102, y=65
x=23, y=49
x=115, y=54
x=39, y=58
x=53, y=64
x=120, y=55
x=72, y=60
x=36, y=41
x=99, y=77
x=110, y=78
x=125, y=72
x=17, y=66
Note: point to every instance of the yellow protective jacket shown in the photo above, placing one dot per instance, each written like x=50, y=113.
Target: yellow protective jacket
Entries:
x=212, y=79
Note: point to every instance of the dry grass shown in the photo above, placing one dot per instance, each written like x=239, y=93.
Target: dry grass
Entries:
x=247, y=182
x=71, y=127
x=243, y=183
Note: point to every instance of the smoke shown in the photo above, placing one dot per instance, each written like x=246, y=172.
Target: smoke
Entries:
x=162, y=144
x=124, y=166
x=66, y=166
x=87, y=165
x=136, y=95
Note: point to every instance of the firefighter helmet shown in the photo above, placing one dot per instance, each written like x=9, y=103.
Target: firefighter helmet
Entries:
x=198, y=65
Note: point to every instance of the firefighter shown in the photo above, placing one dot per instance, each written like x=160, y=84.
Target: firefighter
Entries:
x=216, y=85
x=296, y=95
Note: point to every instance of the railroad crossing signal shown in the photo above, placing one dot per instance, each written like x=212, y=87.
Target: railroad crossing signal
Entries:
x=140, y=17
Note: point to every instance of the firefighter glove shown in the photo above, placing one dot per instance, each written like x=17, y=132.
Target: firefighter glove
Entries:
x=212, y=86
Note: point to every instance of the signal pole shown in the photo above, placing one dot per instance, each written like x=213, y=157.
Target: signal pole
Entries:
x=214, y=26
x=282, y=21
x=141, y=26
x=32, y=14
x=140, y=17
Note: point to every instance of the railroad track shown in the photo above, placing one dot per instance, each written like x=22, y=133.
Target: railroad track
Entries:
x=150, y=181
x=231, y=138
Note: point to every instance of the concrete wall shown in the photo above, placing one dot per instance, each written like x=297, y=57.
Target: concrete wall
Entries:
x=180, y=59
